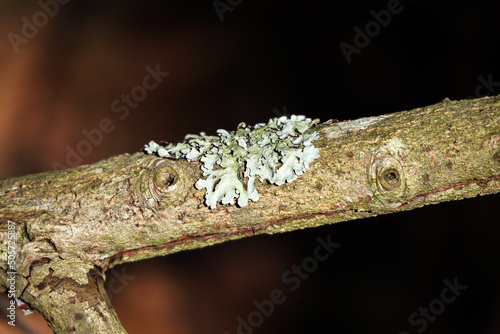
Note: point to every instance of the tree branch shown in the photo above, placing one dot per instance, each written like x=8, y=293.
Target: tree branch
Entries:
x=73, y=225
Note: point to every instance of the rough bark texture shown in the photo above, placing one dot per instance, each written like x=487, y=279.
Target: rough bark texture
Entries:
x=73, y=225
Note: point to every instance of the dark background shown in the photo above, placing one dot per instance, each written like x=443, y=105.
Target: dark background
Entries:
x=264, y=58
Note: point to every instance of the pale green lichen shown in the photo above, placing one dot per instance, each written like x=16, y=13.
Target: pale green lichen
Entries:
x=278, y=152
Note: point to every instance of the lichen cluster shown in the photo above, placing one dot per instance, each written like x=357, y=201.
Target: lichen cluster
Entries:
x=277, y=152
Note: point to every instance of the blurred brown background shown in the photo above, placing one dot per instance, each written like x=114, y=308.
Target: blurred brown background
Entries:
x=264, y=59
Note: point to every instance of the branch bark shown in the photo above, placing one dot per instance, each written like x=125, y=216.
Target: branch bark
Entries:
x=73, y=225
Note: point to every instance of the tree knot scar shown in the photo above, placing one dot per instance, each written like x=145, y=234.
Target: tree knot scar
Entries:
x=162, y=183
x=386, y=174
x=390, y=179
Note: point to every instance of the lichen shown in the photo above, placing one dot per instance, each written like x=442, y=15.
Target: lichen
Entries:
x=278, y=152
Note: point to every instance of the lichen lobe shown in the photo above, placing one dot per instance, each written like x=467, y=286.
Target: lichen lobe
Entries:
x=276, y=152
